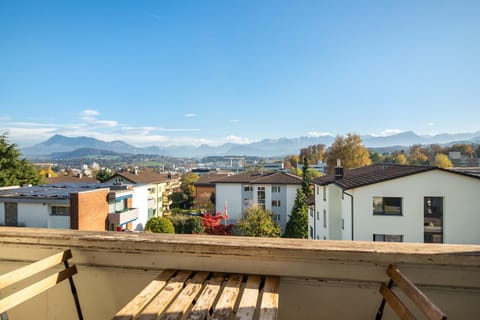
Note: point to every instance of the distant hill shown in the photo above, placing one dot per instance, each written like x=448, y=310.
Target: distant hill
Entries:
x=83, y=153
x=59, y=144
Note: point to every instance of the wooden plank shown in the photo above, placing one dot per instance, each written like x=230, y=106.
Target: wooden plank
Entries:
x=400, y=309
x=269, y=304
x=132, y=308
x=429, y=309
x=204, y=303
x=184, y=300
x=165, y=296
x=33, y=268
x=226, y=302
x=249, y=299
x=35, y=289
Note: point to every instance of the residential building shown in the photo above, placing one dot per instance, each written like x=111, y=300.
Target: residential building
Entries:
x=160, y=187
x=397, y=203
x=273, y=191
x=77, y=206
x=205, y=187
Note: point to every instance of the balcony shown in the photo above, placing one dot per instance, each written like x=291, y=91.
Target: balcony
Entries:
x=318, y=279
x=122, y=217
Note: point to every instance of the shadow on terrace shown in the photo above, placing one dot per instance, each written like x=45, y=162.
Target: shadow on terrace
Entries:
x=318, y=279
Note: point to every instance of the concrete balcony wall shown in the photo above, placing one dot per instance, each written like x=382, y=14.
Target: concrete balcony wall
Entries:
x=319, y=279
x=123, y=217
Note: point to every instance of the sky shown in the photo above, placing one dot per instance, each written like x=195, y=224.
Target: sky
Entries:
x=208, y=72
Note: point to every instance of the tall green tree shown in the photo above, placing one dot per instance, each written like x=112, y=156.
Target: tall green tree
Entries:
x=15, y=170
x=187, y=181
x=349, y=150
x=297, y=225
x=258, y=222
x=307, y=177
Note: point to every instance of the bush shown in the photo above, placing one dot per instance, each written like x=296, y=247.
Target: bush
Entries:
x=160, y=225
x=186, y=224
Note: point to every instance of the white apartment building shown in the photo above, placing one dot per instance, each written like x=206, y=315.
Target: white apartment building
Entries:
x=273, y=191
x=397, y=203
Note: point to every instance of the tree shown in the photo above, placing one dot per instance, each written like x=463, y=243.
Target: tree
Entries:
x=376, y=157
x=160, y=225
x=258, y=222
x=313, y=153
x=307, y=176
x=213, y=225
x=13, y=169
x=104, y=174
x=349, y=150
x=187, y=181
x=400, y=159
x=297, y=225
x=442, y=161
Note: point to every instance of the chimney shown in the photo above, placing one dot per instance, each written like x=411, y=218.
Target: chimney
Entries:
x=338, y=170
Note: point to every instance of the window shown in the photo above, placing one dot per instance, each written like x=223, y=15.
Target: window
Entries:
x=388, y=237
x=276, y=217
x=247, y=188
x=275, y=188
x=343, y=224
x=261, y=197
x=324, y=193
x=387, y=206
x=275, y=203
x=318, y=215
x=60, y=211
x=311, y=232
x=318, y=190
x=324, y=218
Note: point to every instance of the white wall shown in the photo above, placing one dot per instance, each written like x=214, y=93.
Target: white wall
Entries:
x=461, y=210
x=59, y=222
x=140, y=201
x=231, y=192
x=33, y=215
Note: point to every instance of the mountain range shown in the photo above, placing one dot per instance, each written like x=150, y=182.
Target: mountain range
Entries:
x=58, y=145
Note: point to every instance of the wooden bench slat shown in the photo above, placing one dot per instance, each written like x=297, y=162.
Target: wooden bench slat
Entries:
x=423, y=303
x=269, y=304
x=249, y=300
x=35, y=289
x=226, y=302
x=165, y=296
x=400, y=309
x=34, y=268
x=184, y=300
x=209, y=293
x=133, y=308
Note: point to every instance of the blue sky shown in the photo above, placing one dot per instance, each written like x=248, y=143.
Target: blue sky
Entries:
x=192, y=72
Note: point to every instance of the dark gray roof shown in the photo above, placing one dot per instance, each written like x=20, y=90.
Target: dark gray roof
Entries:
x=50, y=191
x=261, y=178
x=206, y=180
x=375, y=173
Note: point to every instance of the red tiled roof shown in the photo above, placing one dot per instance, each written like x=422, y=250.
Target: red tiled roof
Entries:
x=261, y=178
x=375, y=173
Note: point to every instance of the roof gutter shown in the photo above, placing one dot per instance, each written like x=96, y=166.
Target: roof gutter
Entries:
x=351, y=208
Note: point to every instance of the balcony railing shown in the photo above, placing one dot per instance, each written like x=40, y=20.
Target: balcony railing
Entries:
x=318, y=279
x=122, y=217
